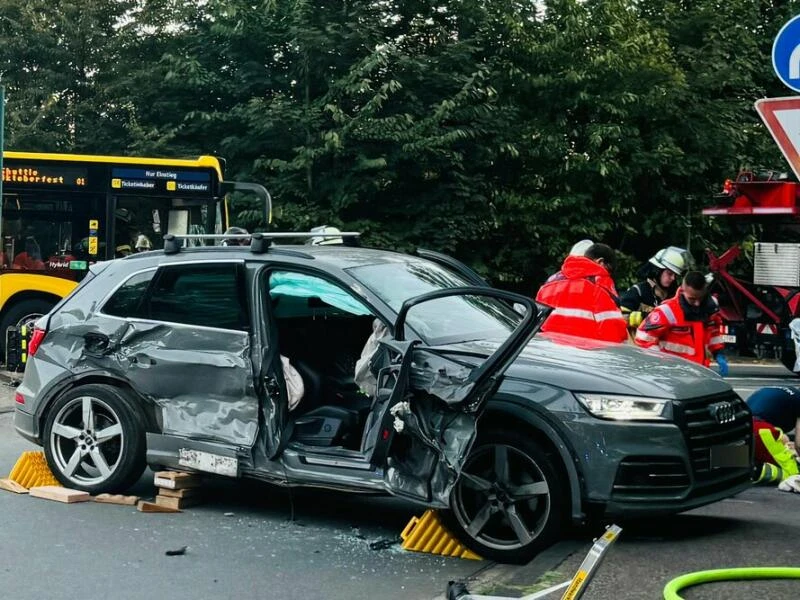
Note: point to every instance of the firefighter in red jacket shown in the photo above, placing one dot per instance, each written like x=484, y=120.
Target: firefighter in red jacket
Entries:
x=584, y=298
x=686, y=325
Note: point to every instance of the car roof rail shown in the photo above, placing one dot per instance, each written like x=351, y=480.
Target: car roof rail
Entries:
x=259, y=241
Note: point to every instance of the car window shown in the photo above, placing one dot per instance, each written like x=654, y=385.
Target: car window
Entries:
x=209, y=295
x=301, y=295
x=443, y=321
x=127, y=300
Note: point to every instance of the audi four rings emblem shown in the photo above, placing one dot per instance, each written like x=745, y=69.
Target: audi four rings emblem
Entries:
x=722, y=412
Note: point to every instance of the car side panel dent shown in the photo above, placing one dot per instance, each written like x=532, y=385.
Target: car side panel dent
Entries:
x=506, y=407
x=199, y=379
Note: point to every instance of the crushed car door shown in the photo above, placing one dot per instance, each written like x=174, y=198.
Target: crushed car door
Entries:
x=428, y=400
x=180, y=337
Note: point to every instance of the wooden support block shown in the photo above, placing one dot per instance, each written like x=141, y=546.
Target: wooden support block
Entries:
x=152, y=507
x=59, y=494
x=116, y=499
x=177, y=503
x=12, y=486
x=174, y=480
x=181, y=493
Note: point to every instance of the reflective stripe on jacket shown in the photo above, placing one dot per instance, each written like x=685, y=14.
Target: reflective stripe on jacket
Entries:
x=584, y=302
x=769, y=448
x=667, y=328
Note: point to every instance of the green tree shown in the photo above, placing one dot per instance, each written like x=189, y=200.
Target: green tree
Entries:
x=56, y=60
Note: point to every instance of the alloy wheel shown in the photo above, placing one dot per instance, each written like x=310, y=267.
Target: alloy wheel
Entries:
x=87, y=440
x=503, y=499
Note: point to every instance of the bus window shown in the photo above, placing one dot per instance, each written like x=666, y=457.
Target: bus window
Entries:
x=142, y=221
x=44, y=233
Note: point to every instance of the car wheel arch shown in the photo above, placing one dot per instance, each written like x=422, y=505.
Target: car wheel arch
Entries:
x=148, y=414
x=516, y=413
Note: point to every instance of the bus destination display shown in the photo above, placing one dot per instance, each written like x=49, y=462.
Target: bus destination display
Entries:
x=45, y=176
x=160, y=180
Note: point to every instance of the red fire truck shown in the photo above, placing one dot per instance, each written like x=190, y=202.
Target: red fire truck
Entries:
x=758, y=311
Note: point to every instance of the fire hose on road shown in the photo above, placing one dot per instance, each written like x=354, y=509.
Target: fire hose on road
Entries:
x=717, y=575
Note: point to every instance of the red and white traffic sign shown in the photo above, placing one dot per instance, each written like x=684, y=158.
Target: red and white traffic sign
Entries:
x=782, y=118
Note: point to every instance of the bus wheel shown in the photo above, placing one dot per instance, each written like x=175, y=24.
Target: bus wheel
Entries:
x=22, y=313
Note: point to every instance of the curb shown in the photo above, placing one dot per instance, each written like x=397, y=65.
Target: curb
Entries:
x=502, y=578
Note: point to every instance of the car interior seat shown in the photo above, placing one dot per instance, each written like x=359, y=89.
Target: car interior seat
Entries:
x=318, y=424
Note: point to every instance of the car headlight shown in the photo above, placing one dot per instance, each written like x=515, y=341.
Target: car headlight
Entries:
x=626, y=408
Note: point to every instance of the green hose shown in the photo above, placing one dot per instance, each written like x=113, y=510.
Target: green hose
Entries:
x=673, y=587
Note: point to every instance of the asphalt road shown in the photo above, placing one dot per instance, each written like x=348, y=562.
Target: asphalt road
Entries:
x=256, y=541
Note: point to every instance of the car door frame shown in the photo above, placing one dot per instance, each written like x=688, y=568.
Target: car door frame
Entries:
x=269, y=373
x=475, y=392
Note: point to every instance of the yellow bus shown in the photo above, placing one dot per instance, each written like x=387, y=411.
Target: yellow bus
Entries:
x=63, y=212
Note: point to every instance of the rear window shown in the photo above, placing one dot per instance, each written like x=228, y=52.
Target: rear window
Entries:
x=208, y=295
x=128, y=300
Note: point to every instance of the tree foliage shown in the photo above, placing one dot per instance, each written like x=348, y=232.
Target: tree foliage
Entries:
x=500, y=132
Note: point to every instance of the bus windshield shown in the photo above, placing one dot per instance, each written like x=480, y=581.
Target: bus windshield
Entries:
x=61, y=213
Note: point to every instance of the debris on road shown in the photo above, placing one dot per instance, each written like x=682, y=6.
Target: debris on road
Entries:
x=59, y=494
x=383, y=544
x=116, y=499
x=179, y=552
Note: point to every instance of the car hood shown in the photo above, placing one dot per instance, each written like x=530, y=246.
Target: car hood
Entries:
x=584, y=365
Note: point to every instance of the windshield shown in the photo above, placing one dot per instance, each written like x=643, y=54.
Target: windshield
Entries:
x=443, y=321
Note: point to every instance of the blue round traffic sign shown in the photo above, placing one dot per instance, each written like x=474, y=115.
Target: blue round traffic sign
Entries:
x=786, y=54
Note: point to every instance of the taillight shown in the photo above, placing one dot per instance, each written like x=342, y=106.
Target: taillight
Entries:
x=36, y=340
x=19, y=398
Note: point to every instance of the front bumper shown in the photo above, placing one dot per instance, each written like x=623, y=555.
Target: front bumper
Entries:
x=650, y=468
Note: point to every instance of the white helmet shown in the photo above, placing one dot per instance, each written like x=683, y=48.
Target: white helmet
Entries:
x=326, y=240
x=143, y=242
x=580, y=248
x=677, y=260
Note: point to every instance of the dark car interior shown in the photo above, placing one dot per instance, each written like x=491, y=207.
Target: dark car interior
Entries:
x=323, y=337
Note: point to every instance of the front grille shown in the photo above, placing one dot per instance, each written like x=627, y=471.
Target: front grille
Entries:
x=702, y=431
x=651, y=476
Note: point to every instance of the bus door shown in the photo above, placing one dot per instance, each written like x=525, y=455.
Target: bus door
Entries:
x=142, y=221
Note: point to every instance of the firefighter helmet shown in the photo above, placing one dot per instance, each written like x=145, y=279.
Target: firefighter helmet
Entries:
x=580, y=248
x=674, y=259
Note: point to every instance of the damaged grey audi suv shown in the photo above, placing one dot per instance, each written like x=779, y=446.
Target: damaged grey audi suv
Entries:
x=375, y=372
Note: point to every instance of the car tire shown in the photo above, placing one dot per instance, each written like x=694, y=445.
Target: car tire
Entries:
x=19, y=313
x=108, y=455
x=507, y=513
